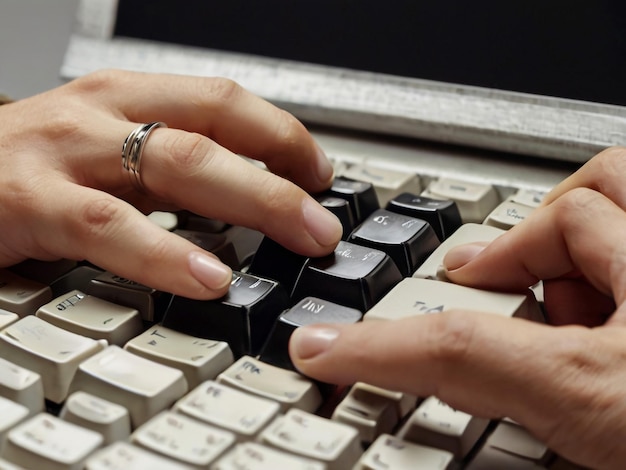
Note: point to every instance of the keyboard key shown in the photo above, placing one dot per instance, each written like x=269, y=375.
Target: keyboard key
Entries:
x=442, y=215
x=387, y=183
x=124, y=456
x=274, y=261
x=44, y=272
x=48, y=350
x=90, y=316
x=474, y=200
x=361, y=196
x=436, y=424
x=513, y=439
x=47, y=442
x=78, y=278
x=389, y=452
x=308, y=311
x=109, y=419
x=529, y=197
x=243, y=317
x=432, y=268
x=21, y=385
x=141, y=386
x=253, y=456
x=198, y=358
x=6, y=318
x=166, y=220
x=5, y=465
x=415, y=296
x=20, y=295
x=288, y=388
x=311, y=436
x=241, y=413
x=216, y=243
x=372, y=410
x=150, y=302
x=184, y=439
x=11, y=414
x=341, y=209
x=407, y=240
x=508, y=214
x=354, y=276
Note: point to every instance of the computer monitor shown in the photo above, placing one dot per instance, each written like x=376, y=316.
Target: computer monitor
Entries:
x=565, y=48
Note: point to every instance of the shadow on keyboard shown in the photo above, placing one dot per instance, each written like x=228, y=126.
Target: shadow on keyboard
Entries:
x=99, y=372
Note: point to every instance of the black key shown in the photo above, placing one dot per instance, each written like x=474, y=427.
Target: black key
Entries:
x=216, y=243
x=78, y=278
x=44, y=272
x=150, y=302
x=353, y=275
x=341, y=208
x=308, y=311
x=409, y=241
x=442, y=215
x=190, y=221
x=243, y=317
x=274, y=261
x=361, y=196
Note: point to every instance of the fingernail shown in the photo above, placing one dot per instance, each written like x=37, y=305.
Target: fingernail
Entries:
x=460, y=255
x=209, y=271
x=325, y=170
x=322, y=224
x=310, y=341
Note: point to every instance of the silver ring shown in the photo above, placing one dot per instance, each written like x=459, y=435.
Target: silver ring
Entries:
x=132, y=151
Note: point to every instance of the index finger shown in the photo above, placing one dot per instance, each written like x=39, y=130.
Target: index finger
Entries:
x=221, y=110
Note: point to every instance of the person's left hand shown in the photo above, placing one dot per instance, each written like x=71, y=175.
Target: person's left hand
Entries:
x=65, y=194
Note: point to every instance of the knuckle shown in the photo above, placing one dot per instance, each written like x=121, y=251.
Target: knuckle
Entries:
x=576, y=201
x=188, y=152
x=221, y=91
x=96, y=219
x=99, y=81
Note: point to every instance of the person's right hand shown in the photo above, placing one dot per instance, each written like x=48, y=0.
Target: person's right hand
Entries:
x=565, y=382
x=64, y=193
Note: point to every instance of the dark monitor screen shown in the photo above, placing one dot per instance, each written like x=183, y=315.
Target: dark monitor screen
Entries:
x=567, y=48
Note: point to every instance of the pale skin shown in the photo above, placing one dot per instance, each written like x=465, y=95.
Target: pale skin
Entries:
x=64, y=194
x=565, y=382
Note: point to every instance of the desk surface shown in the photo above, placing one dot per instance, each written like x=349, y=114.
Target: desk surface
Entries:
x=33, y=39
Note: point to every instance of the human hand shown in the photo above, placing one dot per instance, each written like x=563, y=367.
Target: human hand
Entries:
x=64, y=193
x=564, y=383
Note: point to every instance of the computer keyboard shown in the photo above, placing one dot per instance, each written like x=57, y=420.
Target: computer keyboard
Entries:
x=99, y=372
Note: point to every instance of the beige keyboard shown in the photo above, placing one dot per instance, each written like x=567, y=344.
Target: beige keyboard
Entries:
x=99, y=372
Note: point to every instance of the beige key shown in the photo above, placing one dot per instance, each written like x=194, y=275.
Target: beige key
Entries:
x=166, y=220
x=414, y=296
x=512, y=438
x=436, y=424
x=6, y=318
x=474, y=200
x=47, y=442
x=123, y=291
x=125, y=456
x=140, y=385
x=253, y=456
x=389, y=452
x=199, y=359
x=22, y=386
x=372, y=410
x=311, y=436
x=529, y=197
x=183, y=439
x=236, y=411
x=48, y=350
x=5, y=465
x=92, y=317
x=11, y=413
x=111, y=420
x=432, y=268
x=22, y=296
x=508, y=214
x=387, y=183
x=288, y=388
